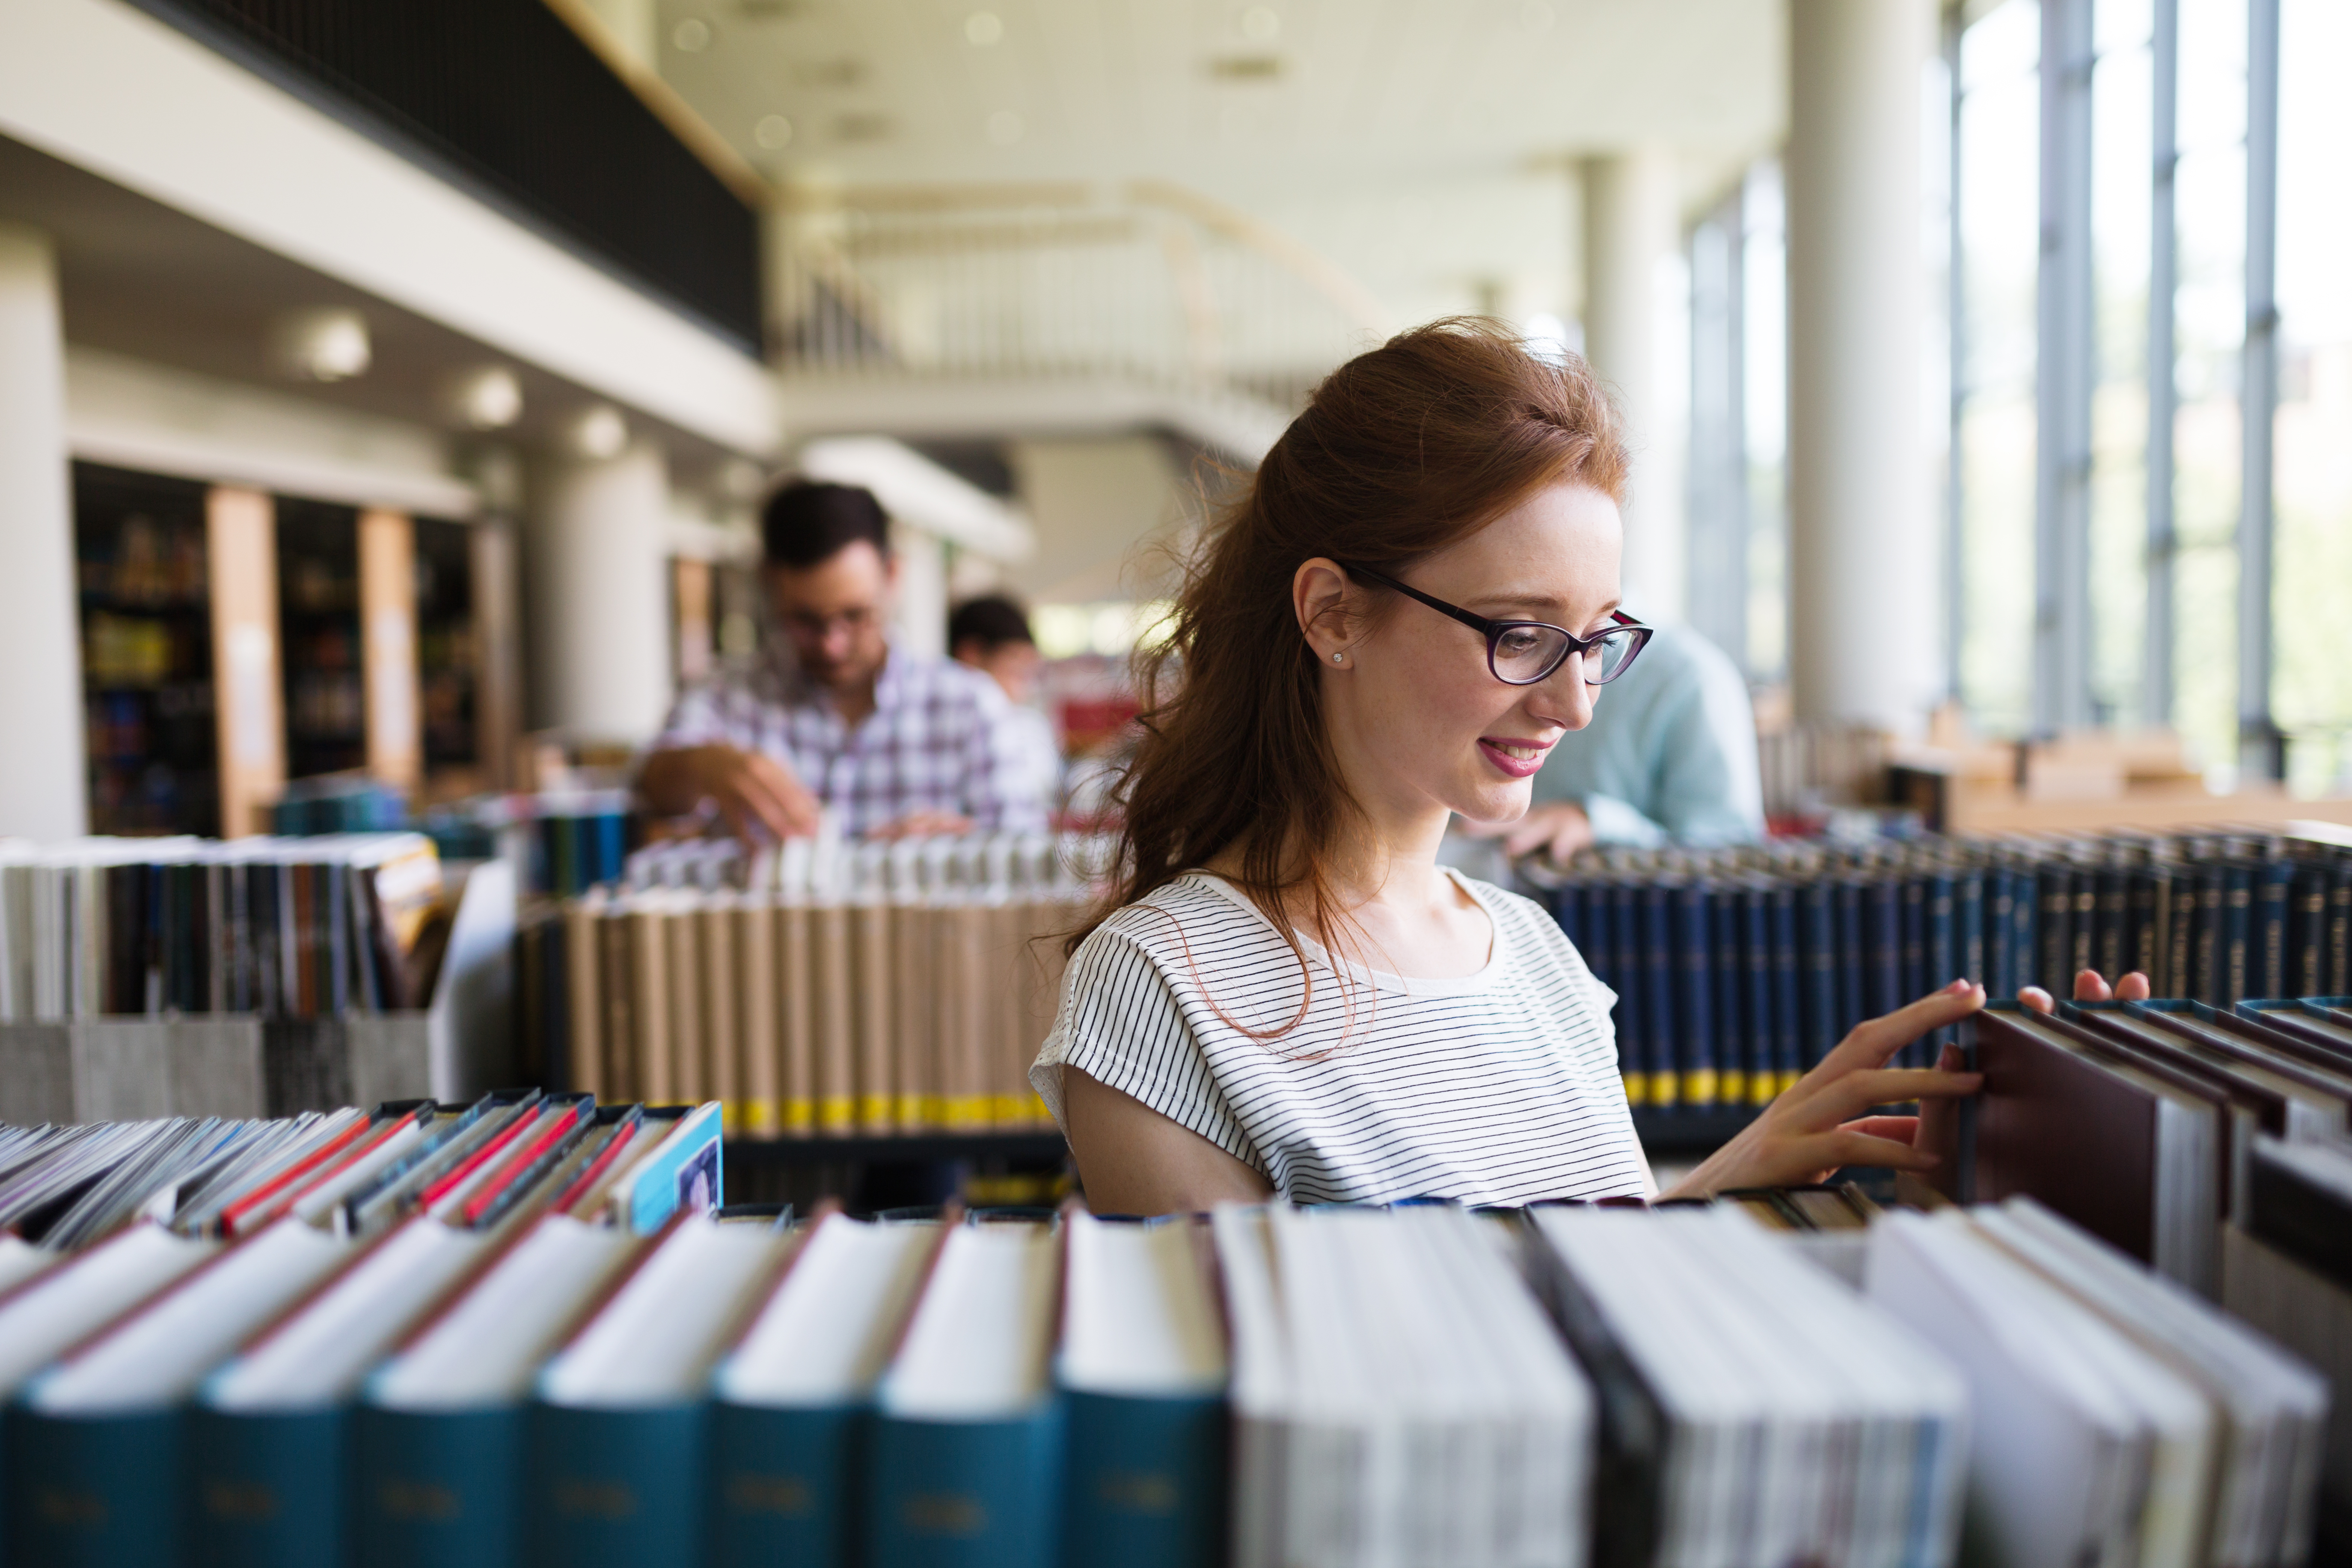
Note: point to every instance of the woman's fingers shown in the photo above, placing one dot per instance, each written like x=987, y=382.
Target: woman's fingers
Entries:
x=1894, y=1128
x=1849, y=1147
x=1876, y=1039
x=1858, y=1091
x=2092, y=986
x=2038, y=999
x=2132, y=987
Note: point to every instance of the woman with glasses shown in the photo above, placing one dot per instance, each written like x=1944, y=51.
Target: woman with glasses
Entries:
x=1285, y=994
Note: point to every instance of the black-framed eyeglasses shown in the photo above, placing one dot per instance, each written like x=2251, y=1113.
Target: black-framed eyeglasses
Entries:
x=1521, y=653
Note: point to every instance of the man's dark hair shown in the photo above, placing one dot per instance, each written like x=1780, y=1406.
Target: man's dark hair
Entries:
x=992, y=622
x=808, y=522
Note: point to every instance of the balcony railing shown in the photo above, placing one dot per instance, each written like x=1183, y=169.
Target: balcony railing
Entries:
x=502, y=97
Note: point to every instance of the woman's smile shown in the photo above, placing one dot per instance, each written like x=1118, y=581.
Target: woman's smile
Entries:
x=1517, y=759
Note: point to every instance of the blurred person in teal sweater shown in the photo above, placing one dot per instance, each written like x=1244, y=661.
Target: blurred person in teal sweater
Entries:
x=1669, y=758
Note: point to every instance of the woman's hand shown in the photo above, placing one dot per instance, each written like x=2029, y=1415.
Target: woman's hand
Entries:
x=1816, y=1126
x=2090, y=986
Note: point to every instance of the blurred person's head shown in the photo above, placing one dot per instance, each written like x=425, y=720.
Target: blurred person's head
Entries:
x=831, y=577
x=992, y=634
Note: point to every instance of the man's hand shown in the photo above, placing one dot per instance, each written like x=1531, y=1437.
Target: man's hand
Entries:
x=922, y=825
x=756, y=793
x=1559, y=828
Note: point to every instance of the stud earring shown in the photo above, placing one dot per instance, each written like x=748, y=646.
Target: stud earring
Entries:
x=1337, y=656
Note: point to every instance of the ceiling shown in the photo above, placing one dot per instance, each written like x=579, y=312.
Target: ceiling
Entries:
x=1420, y=144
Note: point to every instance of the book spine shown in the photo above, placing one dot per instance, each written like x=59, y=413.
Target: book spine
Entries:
x=783, y=1485
x=915, y=1053
x=1665, y=1055
x=2306, y=941
x=2083, y=926
x=689, y=1027
x=1913, y=981
x=1631, y=983
x=1760, y=1013
x=2109, y=947
x=97, y=1491
x=2268, y=963
x=615, y=1489
x=2339, y=932
x=616, y=1005
x=834, y=972
x=876, y=1046
x=649, y=1006
x=1146, y=1482
x=983, y=1493
x=436, y=1489
x=2180, y=971
x=1852, y=962
x=2055, y=967
x=1567, y=902
x=1788, y=991
x=2025, y=934
x=1885, y=913
x=1822, y=1008
x=760, y=1017
x=267, y=1491
x=1700, y=1080
x=796, y=1020
x=2000, y=953
x=2237, y=923
x=1732, y=1059
x=1944, y=962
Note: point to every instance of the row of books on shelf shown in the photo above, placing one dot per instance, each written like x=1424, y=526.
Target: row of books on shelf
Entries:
x=282, y=928
x=150, y=1269
x=1736, y=970
x=867, y=989
x=1266, y=1385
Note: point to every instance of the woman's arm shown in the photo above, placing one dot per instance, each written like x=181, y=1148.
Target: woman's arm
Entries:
x=1134, y=1161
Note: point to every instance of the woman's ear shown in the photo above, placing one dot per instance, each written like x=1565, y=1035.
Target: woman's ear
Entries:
x=1319, y=594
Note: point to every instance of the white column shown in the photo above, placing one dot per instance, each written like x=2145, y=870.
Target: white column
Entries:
x=597, y=594
x=43, y=791
x=1633, y=234
x=1862, y=569
x=921, y=626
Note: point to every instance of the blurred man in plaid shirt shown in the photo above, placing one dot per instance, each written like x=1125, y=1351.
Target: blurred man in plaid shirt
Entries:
x=895, y=745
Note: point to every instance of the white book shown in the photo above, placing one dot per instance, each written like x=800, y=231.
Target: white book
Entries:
x=82, y=1294
x=655, y=1343
x=823, y=1336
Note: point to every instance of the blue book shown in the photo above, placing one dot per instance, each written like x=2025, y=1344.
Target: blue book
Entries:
x=965, y=1470
x=1852, y=994
x=2266, y=956
x=2025, y=927
x=682, y=1173
x=2307, y=933
x=1943, y=960
x=2054, y=964
x=2236, y=931
x=1142, y=1370
x=792, y=1413
x=2000, y=925
x=1700, y=1081
x=1969, y=920
x=1568, y=910
x=269, y=1441
x=1883, y=946
x=619, y=1428
x=1760, y=1061
x=1821, y=1007
x=1787, y=990
x=1658, y=1009
x=1629, y=978
x=1914, y=982
x=439, y=1439
x=98, y=1445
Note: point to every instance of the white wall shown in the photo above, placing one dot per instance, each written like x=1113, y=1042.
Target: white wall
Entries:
x=1092, y=503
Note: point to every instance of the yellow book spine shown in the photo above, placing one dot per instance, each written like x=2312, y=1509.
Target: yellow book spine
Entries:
x=1637, y=1089
x=800, y=1117
x=874, y=1112
x=1662, y=1088
x=1735, y=1088
x=1009, y=1109
x=1789, y=1082
x=935, y=1110
x=763, y=1118
x=837, y=1113
x=910, y=1110
x=1762, y=1088
x=1699, y=1086
x=967, y=1110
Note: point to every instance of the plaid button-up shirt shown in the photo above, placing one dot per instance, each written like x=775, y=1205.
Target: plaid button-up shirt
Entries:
x=940, y=738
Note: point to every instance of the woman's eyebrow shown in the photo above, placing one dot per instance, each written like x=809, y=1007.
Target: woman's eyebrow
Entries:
x=1506, y=599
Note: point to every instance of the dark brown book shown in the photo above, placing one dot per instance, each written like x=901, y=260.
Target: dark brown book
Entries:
x=2132, y=1154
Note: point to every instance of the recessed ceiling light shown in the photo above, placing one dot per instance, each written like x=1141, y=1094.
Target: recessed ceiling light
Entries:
x=772, y=132
x=598, y=433
x=691, y=37
x=490, y=398
x=1261, y=24
x=329, y=344
x=1004, y=128
x=983, y=27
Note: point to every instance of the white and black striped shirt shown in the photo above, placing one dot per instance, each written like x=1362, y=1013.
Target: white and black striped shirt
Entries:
x=1498, y=1087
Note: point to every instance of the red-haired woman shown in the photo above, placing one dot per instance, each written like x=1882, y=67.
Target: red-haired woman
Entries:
x=1286, y=994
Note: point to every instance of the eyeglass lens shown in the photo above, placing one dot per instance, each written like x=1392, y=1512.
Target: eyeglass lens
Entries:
x=1526, y=654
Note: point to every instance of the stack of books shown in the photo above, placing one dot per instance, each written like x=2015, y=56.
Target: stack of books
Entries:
x=1736, y=970
x=191, y=1308
x=282, y=928
x=822, y=990
x=521, y=1329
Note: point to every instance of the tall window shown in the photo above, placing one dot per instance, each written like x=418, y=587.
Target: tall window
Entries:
x=2312, y=688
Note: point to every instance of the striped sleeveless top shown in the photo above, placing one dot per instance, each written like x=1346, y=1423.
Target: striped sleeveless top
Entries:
x=1499, y=1087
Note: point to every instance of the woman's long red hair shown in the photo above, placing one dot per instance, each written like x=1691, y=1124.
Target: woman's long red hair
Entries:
x=1399, y=452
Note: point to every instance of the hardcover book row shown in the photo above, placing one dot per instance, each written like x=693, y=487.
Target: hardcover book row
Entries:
x=877, y=988
x=1270, y=1386
x=1736, y=970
